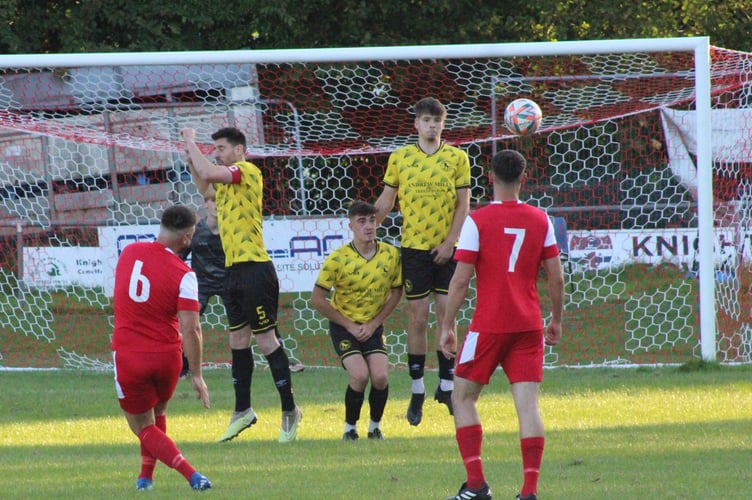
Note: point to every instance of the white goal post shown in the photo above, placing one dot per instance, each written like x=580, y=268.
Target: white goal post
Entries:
x=315, y=139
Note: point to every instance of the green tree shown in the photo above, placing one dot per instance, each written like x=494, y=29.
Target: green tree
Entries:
x=726, y=22
x=38, y=26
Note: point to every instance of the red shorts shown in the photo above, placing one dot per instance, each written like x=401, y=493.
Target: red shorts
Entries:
x=144, y=379
x=519, y=354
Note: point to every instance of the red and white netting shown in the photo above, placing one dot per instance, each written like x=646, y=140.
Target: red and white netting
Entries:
x=89, y=146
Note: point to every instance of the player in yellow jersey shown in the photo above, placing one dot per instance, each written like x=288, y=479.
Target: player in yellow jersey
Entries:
x=366, y=278
x=432, y=180
x=251, y=288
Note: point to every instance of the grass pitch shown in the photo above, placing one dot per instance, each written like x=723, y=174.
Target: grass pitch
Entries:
x=611, y=434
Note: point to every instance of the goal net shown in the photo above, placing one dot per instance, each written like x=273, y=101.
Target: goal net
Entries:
x=90, y=156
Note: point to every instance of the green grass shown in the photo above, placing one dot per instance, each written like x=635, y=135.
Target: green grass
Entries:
x=634, y=433
x=637, y=314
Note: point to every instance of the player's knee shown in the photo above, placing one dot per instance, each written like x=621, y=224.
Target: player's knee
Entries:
x=267, y=342
x=358, y=381
x=240, y=339
x=379, y=380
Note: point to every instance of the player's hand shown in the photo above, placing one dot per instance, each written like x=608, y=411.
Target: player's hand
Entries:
x=188, y=134
x=443, y=253
x=356, y=330
x=202, y=392
x=552, y=334
x=367, y=330
x=448, y=342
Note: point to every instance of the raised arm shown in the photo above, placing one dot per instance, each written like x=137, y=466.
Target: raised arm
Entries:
x=203, y=170
x=203, y=187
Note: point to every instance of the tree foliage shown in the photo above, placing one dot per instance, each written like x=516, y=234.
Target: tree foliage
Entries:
x=73, y=26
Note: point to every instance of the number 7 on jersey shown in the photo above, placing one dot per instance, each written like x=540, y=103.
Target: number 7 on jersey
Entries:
x=519, y=237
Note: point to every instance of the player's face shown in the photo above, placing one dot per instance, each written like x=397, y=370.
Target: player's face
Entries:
x=429, y=127
x=363, y=228
x=186, y=242
x=226, y=154
x=210, y=204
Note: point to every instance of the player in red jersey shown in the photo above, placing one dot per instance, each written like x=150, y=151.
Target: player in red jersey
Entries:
x=156, y=316
x=504, y=244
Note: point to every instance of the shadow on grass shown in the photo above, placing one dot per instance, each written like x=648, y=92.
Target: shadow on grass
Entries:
x=677, y=460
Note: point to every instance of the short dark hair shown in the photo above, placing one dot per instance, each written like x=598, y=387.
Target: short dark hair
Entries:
x=359, y=207
x=508, y=165
x=233, y=135
x=178, y=218
x=429, y=106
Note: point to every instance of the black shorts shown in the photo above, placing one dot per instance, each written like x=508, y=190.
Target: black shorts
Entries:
x=345, y=344
x=422, y=276
x=206, y=292
x=251, y=296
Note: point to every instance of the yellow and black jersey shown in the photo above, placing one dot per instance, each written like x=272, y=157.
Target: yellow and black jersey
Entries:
x=239, y=215
x=361, y=286
x=427, y=188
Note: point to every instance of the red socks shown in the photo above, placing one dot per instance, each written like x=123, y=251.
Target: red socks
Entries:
x=161, y=447
x=148, y=462
x=532, y=454
x=469, y=440
x=161, y=422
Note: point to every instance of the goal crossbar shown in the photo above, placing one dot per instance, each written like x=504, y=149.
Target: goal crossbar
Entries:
x=701, y=76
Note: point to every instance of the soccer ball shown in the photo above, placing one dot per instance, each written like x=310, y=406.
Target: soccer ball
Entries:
x=522, y=117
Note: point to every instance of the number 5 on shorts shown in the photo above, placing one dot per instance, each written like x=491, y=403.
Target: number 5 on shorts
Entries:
x=261, y=313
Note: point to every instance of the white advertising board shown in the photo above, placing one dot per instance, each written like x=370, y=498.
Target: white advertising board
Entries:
x=593, y=250
x=53, y=267
x=299, y=247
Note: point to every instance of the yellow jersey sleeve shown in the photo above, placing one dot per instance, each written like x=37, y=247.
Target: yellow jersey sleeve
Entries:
x=239, y=212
